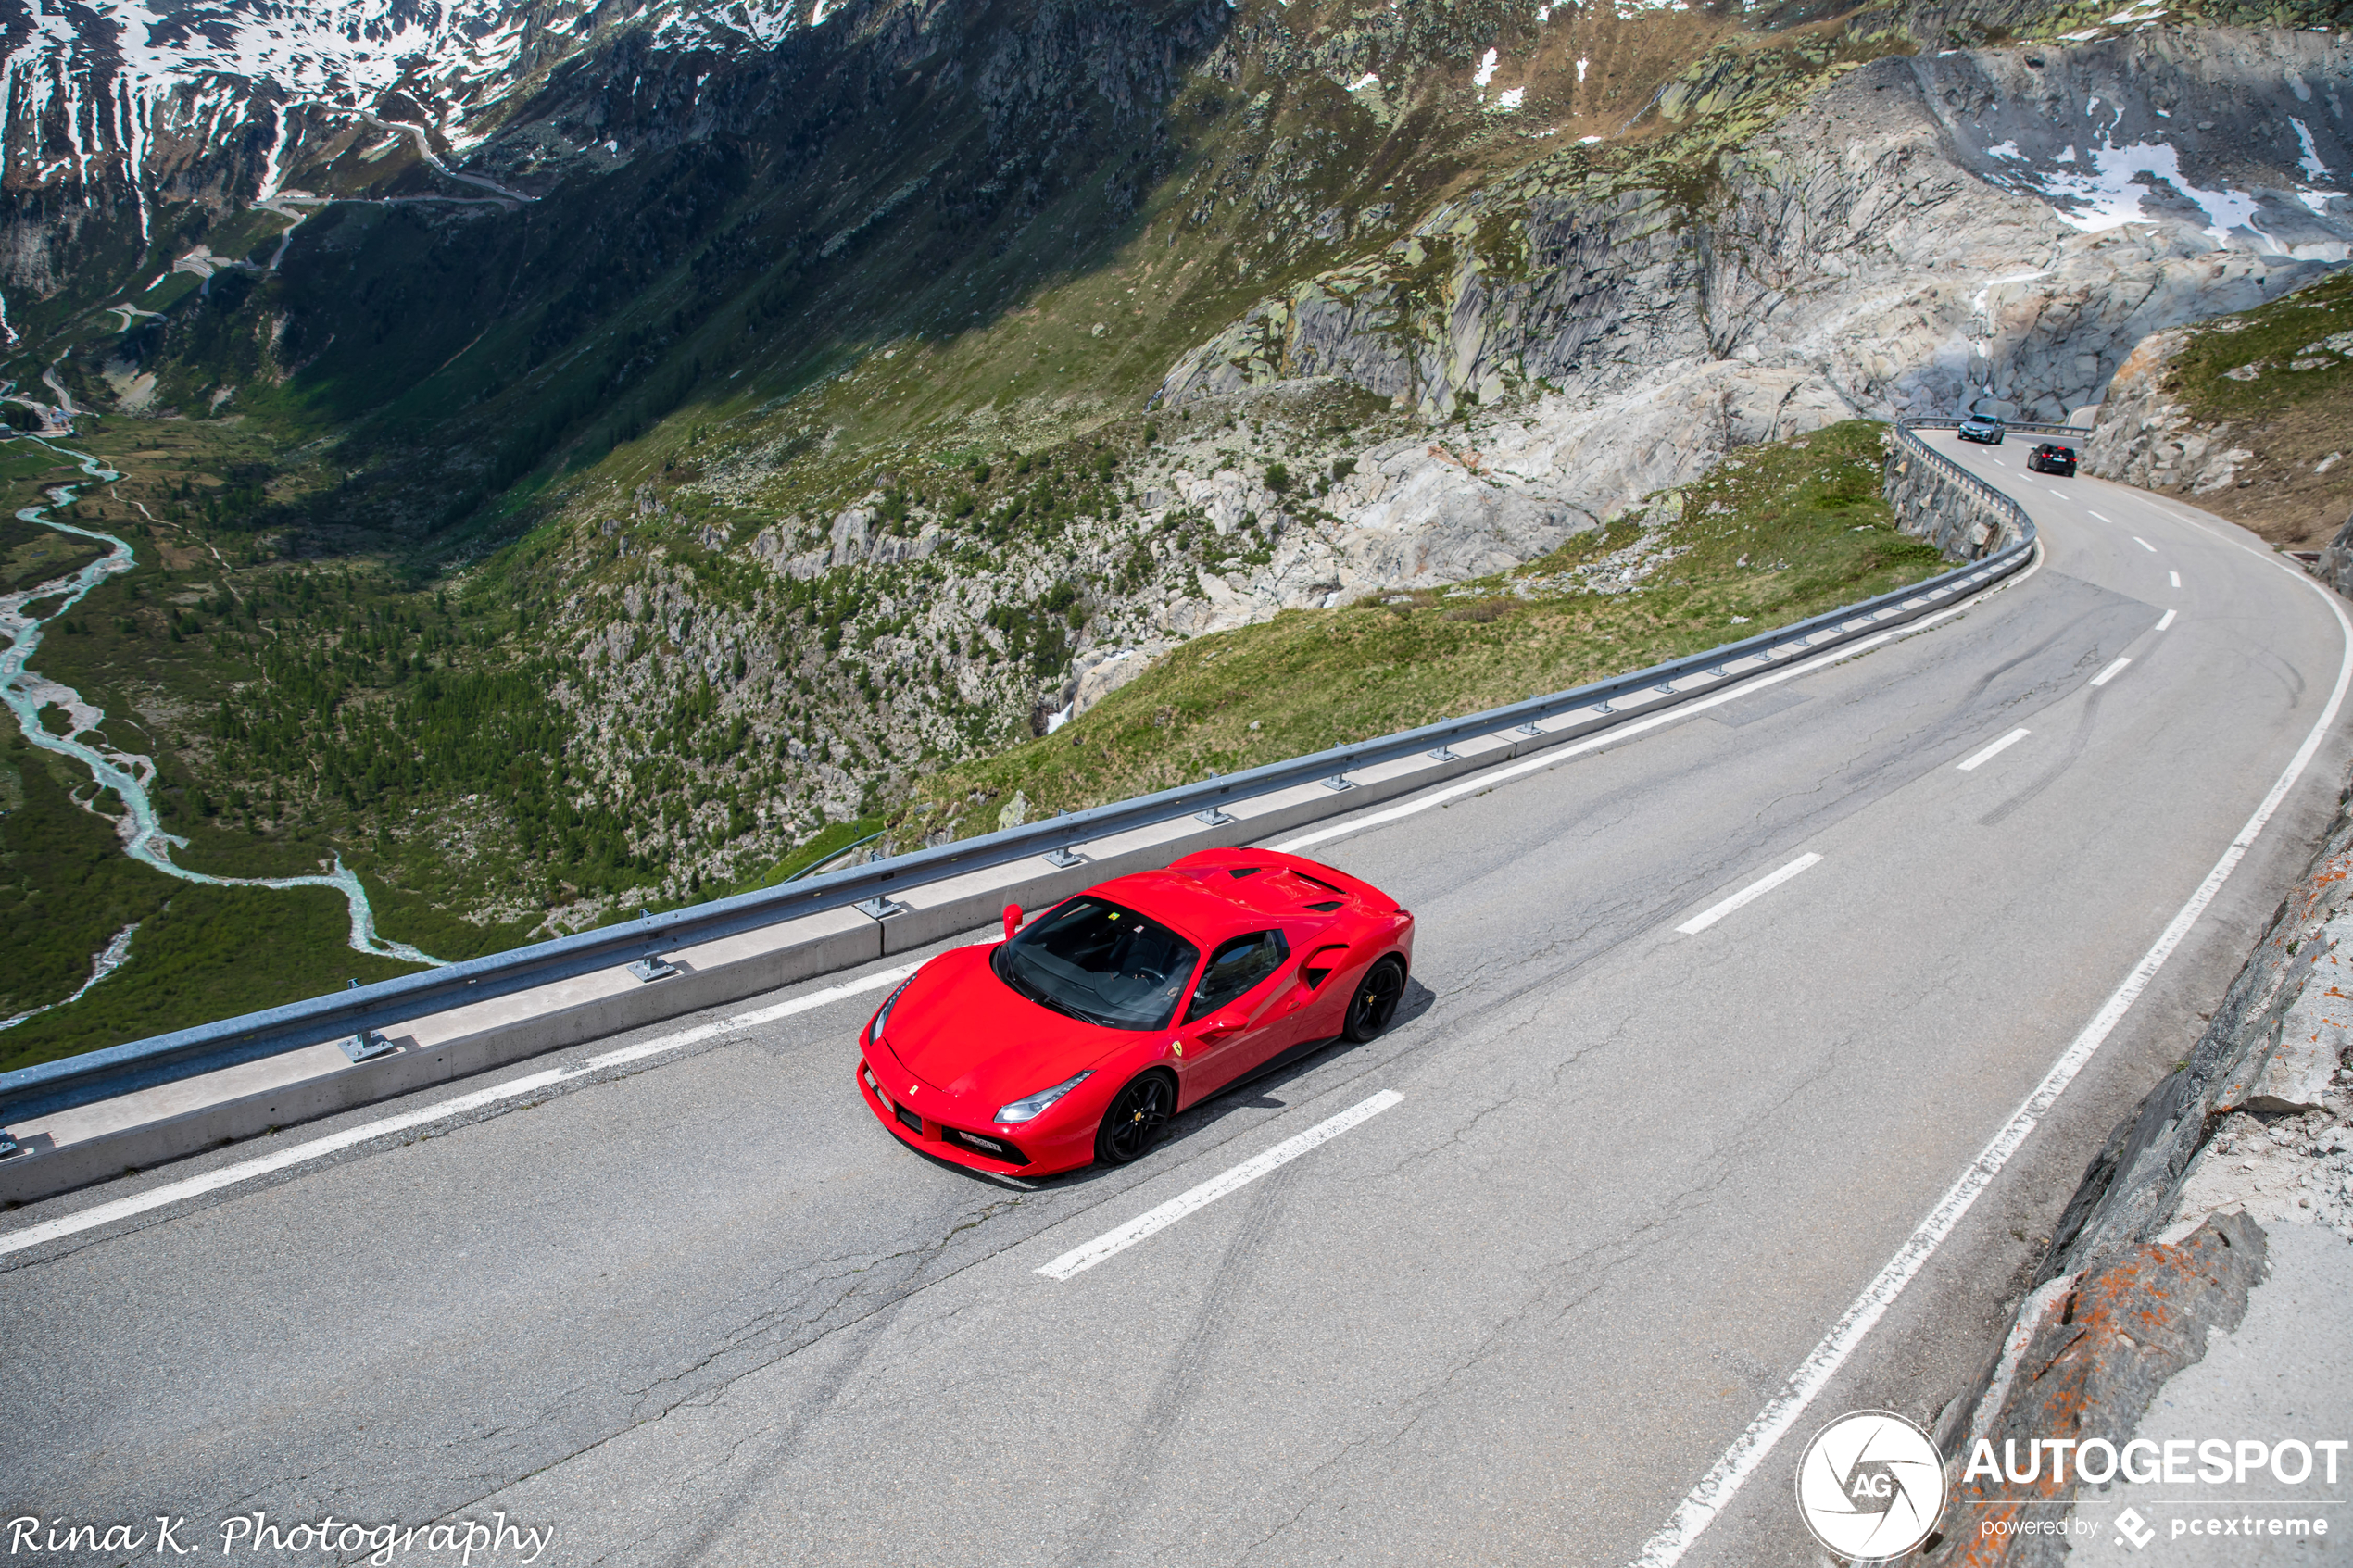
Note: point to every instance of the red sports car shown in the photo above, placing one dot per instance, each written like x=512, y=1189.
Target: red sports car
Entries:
x=1080, y=1035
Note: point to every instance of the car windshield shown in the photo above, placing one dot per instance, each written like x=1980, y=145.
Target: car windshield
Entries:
x=1100, y=963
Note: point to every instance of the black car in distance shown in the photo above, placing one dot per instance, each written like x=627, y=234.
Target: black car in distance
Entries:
x=2051, y=458
x=1983, y=428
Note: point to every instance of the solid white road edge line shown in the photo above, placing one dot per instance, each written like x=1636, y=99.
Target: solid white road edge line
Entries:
x=1720, y=1485
x=1748, y=895
x=1991, y=752
x=2144, y=543
x=2110, y=674
x=315, y=1148
x=1490, y=778
x=1080, y=1259
x=2166, y=620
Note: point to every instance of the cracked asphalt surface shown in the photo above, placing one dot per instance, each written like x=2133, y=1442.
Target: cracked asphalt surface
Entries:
x=705, y=1311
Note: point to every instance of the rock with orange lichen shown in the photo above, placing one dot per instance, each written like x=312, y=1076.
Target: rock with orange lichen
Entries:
x=2083, y=1361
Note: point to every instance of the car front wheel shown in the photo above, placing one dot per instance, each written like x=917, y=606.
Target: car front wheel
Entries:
x=1136, y=1119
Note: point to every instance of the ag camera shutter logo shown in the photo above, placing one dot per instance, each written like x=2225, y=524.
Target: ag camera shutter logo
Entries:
x=1871, y=1485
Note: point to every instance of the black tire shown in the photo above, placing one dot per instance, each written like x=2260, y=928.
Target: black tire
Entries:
x=1376, y=1000
x=1137, y=1115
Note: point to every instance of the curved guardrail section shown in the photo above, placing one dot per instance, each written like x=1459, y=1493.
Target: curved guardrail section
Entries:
x=2008, y=519
x=2015, y=521
x=119, y=1070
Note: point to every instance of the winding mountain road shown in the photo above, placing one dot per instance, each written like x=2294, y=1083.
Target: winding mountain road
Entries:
x=1650, y=1140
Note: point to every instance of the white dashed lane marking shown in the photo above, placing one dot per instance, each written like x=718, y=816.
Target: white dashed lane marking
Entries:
x=1979, y=759
x=1111, y=1242
x=1749, y=893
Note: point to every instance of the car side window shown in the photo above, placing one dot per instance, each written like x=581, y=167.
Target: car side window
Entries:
x=1235, y=969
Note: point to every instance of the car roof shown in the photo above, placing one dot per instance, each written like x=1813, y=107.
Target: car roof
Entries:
x=1211, y=903
x=1178, y=901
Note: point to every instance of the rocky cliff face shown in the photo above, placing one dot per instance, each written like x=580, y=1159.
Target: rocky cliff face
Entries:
x=1988, y=230
x=2145, y=438
x=2246, y=412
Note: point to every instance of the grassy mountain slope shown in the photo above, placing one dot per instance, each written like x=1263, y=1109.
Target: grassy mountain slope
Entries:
x=1781, y=532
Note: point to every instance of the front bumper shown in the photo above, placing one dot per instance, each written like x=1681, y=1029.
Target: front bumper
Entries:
x=939, y=1124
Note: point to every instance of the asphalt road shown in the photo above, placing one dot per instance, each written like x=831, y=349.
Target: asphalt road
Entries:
x=706, y=1310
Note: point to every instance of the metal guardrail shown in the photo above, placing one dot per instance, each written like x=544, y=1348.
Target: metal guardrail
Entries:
x=2020, y=525
x=119, y=1070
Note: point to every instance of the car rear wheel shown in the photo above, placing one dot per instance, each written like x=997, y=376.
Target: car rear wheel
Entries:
x=1136, y=1119
x=1376, y=1000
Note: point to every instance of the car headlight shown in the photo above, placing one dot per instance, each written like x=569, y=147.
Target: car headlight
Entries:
x=1030, y=1108
x=882, y=1013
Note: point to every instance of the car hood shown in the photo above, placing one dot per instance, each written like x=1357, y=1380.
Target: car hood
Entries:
x=960, y=1029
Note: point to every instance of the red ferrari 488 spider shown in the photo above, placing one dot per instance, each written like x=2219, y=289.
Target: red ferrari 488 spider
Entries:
x=1080, y=1035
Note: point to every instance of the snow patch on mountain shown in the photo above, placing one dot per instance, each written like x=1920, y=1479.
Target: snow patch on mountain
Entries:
x=93, y=89
x=2105, y=188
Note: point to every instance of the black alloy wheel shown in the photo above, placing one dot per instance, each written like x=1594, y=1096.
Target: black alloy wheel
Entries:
x=1376, y=1000
x=1137, y=1116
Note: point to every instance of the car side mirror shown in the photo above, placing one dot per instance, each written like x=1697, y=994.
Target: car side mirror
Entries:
x=1013, y=921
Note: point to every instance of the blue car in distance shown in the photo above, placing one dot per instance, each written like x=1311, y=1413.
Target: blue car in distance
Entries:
x=1984, y=428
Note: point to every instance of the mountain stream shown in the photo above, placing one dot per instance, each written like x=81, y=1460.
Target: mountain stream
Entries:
x=127, y=775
